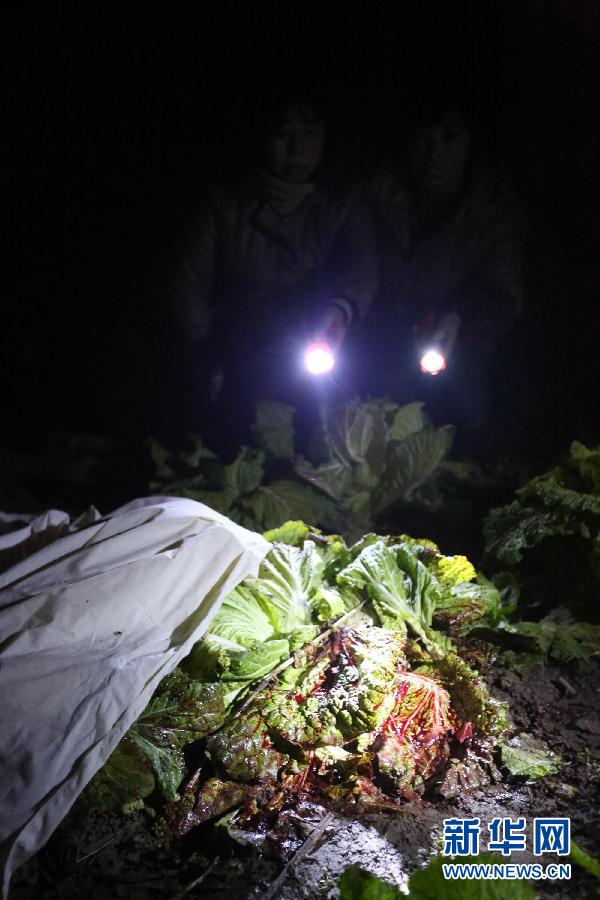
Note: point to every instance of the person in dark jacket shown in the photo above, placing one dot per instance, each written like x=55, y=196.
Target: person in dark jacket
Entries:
x=450, y=236
x=272, y=262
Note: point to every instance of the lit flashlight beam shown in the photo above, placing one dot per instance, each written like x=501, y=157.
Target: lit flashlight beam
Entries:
x=433, y=362
x=319, y=359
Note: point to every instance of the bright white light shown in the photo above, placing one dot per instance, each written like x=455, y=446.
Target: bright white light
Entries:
x=319, y=359
x=432, y=362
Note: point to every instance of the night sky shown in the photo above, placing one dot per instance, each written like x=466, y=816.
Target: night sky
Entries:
x=117, y=120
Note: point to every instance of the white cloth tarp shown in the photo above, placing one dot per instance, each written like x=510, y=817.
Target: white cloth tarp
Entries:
x=89, y=625
x=21, y=535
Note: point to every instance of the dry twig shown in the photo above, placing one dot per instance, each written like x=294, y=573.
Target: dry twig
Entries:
x=95, y=850
x=308, y=845
x=190, y=887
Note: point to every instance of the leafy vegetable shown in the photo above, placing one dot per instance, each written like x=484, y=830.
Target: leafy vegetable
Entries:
x=470, y=697
x=528, y=756
x=288, y=576
x=412, y=462
x=358, y=884
x=379, y=454
x=398, y=600
x=238, y=489
x=371, y=456
x=467, y=603
x=357, y=688
x=182, y=711
x=262, y=621
x=292, y=533
x=428, y=883
x=165, y=757
x=405, y=420
x=258, y=662
x=297, y=687
x=282, y=499
x=587, y=463
x=126, y=776
x=583, y=859
x=214, y=798
x=452, y=571
x=242, y=619
x=355, y=691
x=274, y=428
x=327, y=604
x=552, y=531
x=555, y=637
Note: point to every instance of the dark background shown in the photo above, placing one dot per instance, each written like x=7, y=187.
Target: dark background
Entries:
x=117, y=118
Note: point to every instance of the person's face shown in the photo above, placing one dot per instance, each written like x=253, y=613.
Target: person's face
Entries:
x=295, y=145
x=439, y=153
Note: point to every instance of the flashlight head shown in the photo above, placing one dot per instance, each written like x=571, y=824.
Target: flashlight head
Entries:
x=433, y=362
x=319, y=358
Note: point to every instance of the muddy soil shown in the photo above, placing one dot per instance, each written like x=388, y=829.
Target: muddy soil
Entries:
x=114, y=856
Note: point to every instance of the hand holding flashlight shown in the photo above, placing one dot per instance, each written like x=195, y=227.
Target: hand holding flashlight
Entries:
x=434, y=356
x=319, y=356
x=332, y=328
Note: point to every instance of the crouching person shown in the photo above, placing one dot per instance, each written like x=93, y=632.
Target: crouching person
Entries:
x=450, y=238
x=274, y=261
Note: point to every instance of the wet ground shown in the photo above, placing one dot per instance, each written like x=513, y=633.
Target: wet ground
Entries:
x=116, y=856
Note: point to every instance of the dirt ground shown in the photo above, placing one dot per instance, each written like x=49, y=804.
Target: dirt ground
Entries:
x=117, y=856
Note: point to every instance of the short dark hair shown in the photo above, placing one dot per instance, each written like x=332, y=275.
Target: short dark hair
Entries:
x=432, y=100
x=294, y=93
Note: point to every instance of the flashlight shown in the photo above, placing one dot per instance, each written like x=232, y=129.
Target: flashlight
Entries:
x=434, y=357
x=433, y=361
x=319, y=358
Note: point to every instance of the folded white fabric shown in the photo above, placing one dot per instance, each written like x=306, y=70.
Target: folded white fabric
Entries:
x=89, y=625
x=21, y=535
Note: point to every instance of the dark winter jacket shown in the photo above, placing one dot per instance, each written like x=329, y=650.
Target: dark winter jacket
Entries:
x=252, y=262
x=470, y=263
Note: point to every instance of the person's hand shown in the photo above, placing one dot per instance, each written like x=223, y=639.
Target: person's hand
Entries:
x=215, y=384
x=446, y=331
x=332, y=328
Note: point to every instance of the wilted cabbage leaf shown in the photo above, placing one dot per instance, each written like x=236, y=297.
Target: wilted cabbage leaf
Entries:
x=467, y=603
x=357, y=694
x=529, y=756
x=180, y=712
x=126, y=776
x=470, y=697
x=214, y=797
